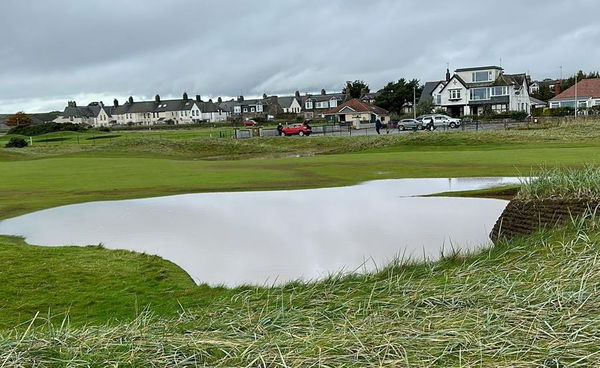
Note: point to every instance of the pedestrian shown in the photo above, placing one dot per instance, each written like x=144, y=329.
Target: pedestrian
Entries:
x=279, y=129
x=378, y=126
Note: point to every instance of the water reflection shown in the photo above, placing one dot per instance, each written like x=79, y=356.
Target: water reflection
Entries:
x=278, y=236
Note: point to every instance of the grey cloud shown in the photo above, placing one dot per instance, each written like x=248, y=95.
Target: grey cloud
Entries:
x=53, y=50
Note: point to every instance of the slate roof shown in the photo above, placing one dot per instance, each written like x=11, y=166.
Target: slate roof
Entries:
x=535, y=101
x=286, y=101
x=428, y=90
x=325, y=97
x=586, y=88
x=358, y=106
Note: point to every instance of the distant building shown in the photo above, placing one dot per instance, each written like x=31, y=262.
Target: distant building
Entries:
x=355, y=111
x=157, y=112
x=585, y=94
x=479, y=90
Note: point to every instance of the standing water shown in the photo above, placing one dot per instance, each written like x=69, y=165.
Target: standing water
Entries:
x=277, y=236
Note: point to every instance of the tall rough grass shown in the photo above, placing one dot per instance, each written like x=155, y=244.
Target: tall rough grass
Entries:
x=562, y=183
x=530, y=303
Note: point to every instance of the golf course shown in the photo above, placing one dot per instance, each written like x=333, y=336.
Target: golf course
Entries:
x=531, y=301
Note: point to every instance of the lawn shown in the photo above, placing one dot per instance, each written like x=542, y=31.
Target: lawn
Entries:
x=429, y=314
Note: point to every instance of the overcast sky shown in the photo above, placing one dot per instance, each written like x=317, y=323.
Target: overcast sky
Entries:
x=90, y=50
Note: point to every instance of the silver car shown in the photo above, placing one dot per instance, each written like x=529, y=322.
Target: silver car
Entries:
x=434, y=121
x=413, y=124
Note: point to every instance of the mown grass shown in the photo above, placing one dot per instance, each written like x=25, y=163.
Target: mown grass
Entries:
x=529, y=303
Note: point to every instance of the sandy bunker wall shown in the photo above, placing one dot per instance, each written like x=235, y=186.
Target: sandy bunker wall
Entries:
x=526, y=217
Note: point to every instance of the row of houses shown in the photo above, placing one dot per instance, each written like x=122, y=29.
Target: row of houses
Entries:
x=469, y=91
x=190, y=111
x=179, y=111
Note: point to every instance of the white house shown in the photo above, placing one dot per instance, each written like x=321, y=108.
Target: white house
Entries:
x=180, y=111
x=474, y=91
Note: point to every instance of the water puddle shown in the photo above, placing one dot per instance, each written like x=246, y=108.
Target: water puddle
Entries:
x=278, y=236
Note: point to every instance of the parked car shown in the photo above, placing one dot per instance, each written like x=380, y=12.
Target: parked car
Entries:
x=434, y=121
x=250, y=123
x=296, y=129
x=410, y=124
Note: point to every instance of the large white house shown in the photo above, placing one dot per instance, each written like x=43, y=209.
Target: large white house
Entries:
x=180, y=111
x=475, y=91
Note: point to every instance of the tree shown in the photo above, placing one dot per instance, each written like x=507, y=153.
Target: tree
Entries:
x=356, y=89
x=394, y=95
x=544, y=93
x=570, y=82
x=425, y=107
x=18, y=119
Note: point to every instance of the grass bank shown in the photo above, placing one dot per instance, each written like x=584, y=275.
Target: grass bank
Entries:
x=532, y=302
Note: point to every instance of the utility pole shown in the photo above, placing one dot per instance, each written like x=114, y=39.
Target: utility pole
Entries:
x=415, y=102
x=576, y=104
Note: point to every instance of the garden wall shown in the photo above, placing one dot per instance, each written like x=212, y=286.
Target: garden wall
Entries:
x=526, y=217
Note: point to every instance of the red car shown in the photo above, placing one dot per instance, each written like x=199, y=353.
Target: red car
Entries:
x=296, y=129
x=250, y=123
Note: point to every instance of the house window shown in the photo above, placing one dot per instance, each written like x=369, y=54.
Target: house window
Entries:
x=482, y=76
x=455, y=94
x=333, y=103
x=309, y=105
x=554, y=105
x=499, y=91
x=245, y=109
x=581, y=104
x=480, y=94
x=499, y=108
x=322, y=105
x=252, y=109
x=438, y=99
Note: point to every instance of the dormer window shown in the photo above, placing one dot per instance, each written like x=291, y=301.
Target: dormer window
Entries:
x=309, y=105
x=482, y=76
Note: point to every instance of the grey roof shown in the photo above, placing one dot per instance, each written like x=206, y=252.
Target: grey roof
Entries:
x=428, y=90
x=208, y=106
x=478, y=68
x=325, y=97
x=228, y=105
x=81, y=111
x=286, y=101
x=535, y=101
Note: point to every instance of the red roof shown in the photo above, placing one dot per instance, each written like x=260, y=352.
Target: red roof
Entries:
x=585, y=88
x=357, y=106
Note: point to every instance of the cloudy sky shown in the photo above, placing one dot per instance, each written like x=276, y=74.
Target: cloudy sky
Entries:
x=90, y=50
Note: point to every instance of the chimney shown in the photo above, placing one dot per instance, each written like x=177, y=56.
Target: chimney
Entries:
x=72, y=104
x=264, y=96
x=185, y=96
x=323, y=92
x=447, y=75
x=116, y=102
x=557, y=88
x=219, y=100
x=240, y=98
x=198, y=98
x=210, y=100
x=101, y=103
x=130, y=100
x=297, y=94
x=157, y=98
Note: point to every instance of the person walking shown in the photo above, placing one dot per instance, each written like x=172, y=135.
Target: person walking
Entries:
x=378, y=126
x=279, y=129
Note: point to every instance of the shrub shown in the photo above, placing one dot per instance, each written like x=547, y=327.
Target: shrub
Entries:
x=16, y=143
x=104, y=129
x=39, y=129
